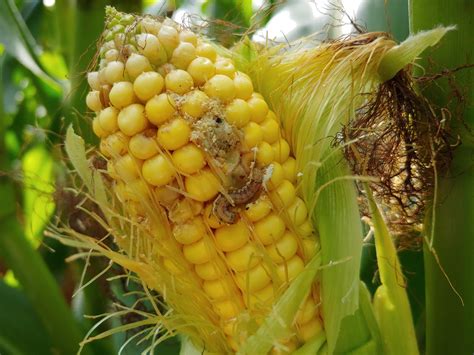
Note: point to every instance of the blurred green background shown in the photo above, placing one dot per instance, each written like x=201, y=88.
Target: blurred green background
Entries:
x=45, y=50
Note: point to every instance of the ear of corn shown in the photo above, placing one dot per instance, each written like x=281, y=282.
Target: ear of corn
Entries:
x=206, y=197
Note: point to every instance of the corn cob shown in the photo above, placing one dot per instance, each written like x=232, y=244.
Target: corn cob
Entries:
x=183, y=131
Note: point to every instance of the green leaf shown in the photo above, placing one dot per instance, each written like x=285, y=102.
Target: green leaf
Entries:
x=76, y=151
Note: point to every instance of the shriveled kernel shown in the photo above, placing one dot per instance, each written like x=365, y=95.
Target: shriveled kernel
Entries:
x=93, y=101
x=284, y=248
x=122, y=94
x=183, y=55
x=166, y=195
x=174, y=134
x=147, y=85
x=206, y=50
x=243, y=258
x=168, y=36
x=288, y=270
x=114, y=145
x=93, y=80
x=232, y=237
x=201, y=69
x=188, y=36
x=297, y=212
x=258, y=108
x=219, y=289
x=211, y=219
x=225, y=66
x=254, y=279
x=253, y=135
x=97, y=128
x=158, y=171
x=238, y=113
x=114, y=71
x=203, y=185
x=226, y=309
x=258, y=209
x=277, y=176
x=197, y=253
x=270, y=229
x=108, y=119
x=243, y=86
x=271, y=130
x=195, y=103
x=310, y=329
x=190, y=231
x=143, y=145
x=212, y=270
x=149, y=45
x=128, y=168
x=284, y=195
x=264, y=153
x=281, y=150
x=160, y=109
x=137, y=190
x=188, y=159
x=137, y=64
x=220, y=87
x=179, y=81
x=132, y=120
x=289, y=168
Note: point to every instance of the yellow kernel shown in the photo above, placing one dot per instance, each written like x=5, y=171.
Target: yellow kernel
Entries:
x=243, y=86
x=160, y=109
x=114, y=71
x=136, y=65
x=165, y=195
x=310, y=329
x=188, y=36
x=206, y=50
x=271, y=130
x=238, y=113
x=288, y=270
x=128, y=168
x=258, y=108
x=137, y=190
x=232, y=343
x=307, y=311
x=212, y=270
x=102, y=78
x=188, y=159
x=97, y=128
x=93, y=80
x=150, y=25
x=264, y=153
x=305, y=229
x=108, y=119
x=227, y=309
x=195, y=104
x=283, y=249
x=297, y=212
x=257, y=95
x=132, y=120
x=258, y=209
x=270, y=229
x=277, y=176
x=183, y=55
x=229, y=327
x=243, y=259
x=281, y=150
x=122, y=94
x=203, y=185
x=253, y=280
x=211, y=219
x=310, y=246
x=147, y=85
x=152, y=48
x=158, y=171
x=289, y=168
x=284, y=195
x=232, y=237
x=174, y=134
x=179, y=81
x=261, y=298
x=220, y=87
x=225, y=66
x=93, y=101
x=143, y=145
x=197, y=253
x=168, y=36
x=219, y=289
x=201, y=69
x=253, y=135
x=114, y=145
x=190, y=231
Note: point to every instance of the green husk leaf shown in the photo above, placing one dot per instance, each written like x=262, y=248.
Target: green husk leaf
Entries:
x=278, y=323
x=311, y=347
x=75, y=148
